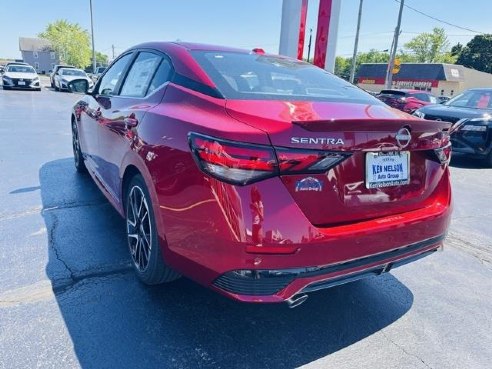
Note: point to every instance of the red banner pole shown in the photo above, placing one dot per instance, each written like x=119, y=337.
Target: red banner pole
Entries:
x=321, y=45
x=302, y=30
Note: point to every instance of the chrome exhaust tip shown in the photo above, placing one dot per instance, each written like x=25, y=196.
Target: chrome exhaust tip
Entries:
x=295, y=301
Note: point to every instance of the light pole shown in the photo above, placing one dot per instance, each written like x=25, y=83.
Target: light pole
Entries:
x=391, y=64
x=309, y=44
x=356, y=44
x=93, y=48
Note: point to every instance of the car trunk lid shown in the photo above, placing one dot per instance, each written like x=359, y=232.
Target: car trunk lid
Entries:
x=366, y=133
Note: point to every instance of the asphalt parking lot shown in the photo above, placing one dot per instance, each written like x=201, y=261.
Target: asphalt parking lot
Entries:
x=68, y=297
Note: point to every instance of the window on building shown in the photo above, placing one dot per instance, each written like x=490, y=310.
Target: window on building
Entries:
x=35, y=54
x=52, y=55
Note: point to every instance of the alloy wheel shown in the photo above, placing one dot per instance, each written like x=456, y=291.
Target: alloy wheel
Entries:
x=139, y=228
x=75, y=145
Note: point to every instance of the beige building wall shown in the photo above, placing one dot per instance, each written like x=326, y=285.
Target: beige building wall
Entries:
x=450, y=88
x=471, y=79
x=474, y=78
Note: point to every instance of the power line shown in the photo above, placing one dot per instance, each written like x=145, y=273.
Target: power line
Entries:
x=440, y=20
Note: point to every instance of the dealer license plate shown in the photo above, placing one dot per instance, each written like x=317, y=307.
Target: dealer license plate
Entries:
x=386, y=169
x=20, y=83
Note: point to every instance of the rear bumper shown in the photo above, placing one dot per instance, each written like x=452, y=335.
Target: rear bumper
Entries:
x=212, y=238
x=279, y=285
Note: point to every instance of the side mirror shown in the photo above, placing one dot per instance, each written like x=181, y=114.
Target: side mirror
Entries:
x=80, y=86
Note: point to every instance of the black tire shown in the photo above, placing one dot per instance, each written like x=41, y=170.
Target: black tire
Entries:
x=141, y=233
x=77, y=153
x=56, y=88
x=52, y=84
x=6, y=88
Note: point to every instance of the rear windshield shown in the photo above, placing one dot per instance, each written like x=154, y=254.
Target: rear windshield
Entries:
x=72, y=72
x=242, y=76
x=393, y=93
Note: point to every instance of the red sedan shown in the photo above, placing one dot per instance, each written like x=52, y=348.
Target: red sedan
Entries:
x=407, y=100
x=259, y=176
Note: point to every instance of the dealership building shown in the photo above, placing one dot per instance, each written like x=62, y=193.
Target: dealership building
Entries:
x=438, y=79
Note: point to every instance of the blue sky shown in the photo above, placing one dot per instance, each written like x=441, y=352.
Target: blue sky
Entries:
x=246, y=24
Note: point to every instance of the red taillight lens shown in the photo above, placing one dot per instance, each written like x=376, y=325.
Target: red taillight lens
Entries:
x=444, y=153
x=240, y=163
x=308, y=161
x=233, y=162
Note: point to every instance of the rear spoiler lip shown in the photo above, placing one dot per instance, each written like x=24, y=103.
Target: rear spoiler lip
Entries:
x=372, y=125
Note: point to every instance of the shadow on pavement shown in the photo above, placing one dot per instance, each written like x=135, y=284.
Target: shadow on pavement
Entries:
x=115, y=321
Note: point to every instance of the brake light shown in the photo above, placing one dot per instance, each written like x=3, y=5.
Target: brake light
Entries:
x=259, y=51
x=444, y=153
x=241, y=163
x=307, y=161
x=233, y=162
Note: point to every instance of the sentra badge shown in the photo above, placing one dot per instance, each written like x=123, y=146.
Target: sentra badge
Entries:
x=317, y=140
x=309, y=184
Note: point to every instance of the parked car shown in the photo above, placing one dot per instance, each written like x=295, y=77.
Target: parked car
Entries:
x=20, y=76
x=2, y=69
x=65, y=75
x=442, y=99
x=259, y=176
x=99, y=72
x=471, y=113
x=407, y=100
x=54, y=72
x=16, y=63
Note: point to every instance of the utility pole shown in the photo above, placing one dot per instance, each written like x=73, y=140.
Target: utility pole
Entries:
x=391, y=64
x=93, y=49
x=356, y=44
x=309, y=44
x=112, y=46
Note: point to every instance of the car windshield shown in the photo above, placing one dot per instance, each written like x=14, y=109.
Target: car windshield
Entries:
x=20, y=69
x=244, y=76
x=72, y=72
x=476, y=99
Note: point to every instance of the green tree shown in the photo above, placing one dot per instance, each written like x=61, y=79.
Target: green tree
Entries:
x=70, y=41
x=101, y=59
x=431, y=47
x=456, y=50
x=342, y=67
x=477, y=54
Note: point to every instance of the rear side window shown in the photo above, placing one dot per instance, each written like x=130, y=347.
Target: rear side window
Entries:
x=140, y=75
x=161, y=76
x=113, y=75
x=251, y=76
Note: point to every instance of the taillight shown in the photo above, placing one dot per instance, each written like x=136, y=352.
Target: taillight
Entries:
x=241, y=163
x=233, y=162
x=307, y=161
x=444, y=153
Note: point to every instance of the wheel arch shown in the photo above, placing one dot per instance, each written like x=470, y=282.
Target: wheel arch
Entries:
x=130, y=171
x=132, y=165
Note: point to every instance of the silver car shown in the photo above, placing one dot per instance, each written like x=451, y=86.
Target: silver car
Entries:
x=20, y=76
x=65, y=75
